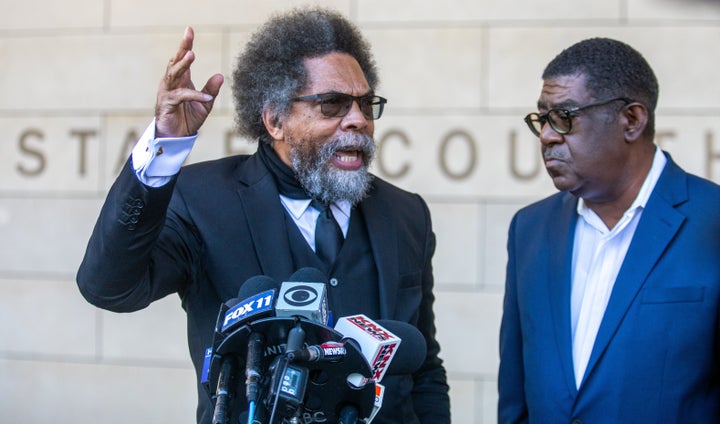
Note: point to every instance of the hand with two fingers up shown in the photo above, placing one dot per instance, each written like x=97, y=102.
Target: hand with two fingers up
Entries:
x=180, y=109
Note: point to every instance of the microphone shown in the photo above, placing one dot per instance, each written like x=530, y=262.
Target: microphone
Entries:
x=294, y=362
x=221, y=414
x=304, y=295
x=258, y=295
x=287, y=390
x=325, y=352
x=313, y=380
x=411, y=353
x=381, y=346
x=380, y=343
x=253, y=366
x=255, y=301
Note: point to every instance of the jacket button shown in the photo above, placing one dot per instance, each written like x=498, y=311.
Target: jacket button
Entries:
x=576, y=421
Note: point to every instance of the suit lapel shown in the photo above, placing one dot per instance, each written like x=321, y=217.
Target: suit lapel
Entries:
x=383, y=242
x=265, y=217
x=658, y=225
x=561, y=234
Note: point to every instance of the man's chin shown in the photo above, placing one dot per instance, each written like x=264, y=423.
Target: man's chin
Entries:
x=347, y=185
x=560, y=184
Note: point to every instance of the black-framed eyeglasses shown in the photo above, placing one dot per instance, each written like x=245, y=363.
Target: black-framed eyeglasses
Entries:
x=339, y=104
x=560, y=120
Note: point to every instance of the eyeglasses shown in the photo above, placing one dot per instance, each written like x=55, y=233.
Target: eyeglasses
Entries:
x=339, y=104
x=560, y=120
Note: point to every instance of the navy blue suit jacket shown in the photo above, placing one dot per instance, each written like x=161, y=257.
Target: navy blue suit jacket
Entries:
x=656, y=358
x=221, y=222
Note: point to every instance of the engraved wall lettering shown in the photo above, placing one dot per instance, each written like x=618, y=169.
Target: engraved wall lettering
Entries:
x=82, y=136
x=397, y=135
x=515, y=170
x=28, y=147
x=471, y=155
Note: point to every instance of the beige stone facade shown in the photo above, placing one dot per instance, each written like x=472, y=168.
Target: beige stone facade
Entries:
x=77, y=86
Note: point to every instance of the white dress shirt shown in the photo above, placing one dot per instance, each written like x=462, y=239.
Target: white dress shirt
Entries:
x=306, y=216
x=156, y=160
x=598, y=254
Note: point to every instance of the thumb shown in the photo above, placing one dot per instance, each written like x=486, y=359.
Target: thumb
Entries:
x=213, y=84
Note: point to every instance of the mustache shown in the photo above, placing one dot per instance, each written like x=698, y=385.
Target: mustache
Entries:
x=348, y=142
x=321, y=180
x=553, y=155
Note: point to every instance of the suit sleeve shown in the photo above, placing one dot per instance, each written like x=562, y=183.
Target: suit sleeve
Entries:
x=135, y=254
x=430, y=389
x=511, y=377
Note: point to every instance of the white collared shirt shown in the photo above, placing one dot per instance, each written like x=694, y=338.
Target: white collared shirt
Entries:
x=305, y=216
x=598, y=254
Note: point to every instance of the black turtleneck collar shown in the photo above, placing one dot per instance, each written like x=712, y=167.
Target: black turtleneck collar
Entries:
x=287, y=183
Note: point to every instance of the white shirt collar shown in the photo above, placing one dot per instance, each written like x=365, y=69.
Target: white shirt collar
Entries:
x=297, y=207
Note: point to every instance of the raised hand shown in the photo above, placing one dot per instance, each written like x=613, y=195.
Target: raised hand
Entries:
x=180, y=109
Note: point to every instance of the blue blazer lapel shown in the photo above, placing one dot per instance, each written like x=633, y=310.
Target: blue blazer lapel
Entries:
x=561, y=234
x=265, y=218
x=658, y=225
x=383, y=241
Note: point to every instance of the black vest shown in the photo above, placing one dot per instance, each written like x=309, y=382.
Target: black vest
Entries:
x=353, y=278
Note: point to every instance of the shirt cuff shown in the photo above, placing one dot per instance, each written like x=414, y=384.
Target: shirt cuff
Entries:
x=157, y=160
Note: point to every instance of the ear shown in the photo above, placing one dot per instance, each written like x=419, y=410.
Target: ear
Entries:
x=636, y=115
x=273, y=124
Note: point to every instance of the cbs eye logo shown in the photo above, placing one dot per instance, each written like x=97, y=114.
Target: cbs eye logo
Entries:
x=300, y=296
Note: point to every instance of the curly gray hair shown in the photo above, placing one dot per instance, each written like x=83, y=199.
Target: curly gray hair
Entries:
x=270, y=71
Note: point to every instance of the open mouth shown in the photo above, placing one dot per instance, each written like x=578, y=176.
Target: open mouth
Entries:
x=348, y=159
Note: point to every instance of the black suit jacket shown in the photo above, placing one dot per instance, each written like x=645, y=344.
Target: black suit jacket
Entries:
x=219, y=223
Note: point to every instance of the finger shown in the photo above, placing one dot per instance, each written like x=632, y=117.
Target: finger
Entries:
x=176, y=71
x=186, y=44
x=213, y=84
x=182, y=95
x=182, y=59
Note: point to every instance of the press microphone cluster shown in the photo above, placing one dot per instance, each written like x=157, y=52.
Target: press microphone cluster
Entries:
x=297, y=367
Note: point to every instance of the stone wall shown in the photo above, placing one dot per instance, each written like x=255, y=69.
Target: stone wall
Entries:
x=77, y=84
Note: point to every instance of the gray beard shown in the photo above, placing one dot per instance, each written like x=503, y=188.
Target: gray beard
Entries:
x=328, y=184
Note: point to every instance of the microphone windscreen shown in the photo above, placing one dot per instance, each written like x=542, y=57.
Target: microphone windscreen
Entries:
x=411, y=353
x=256, y=299
x=308, y=275
x=255, y=285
